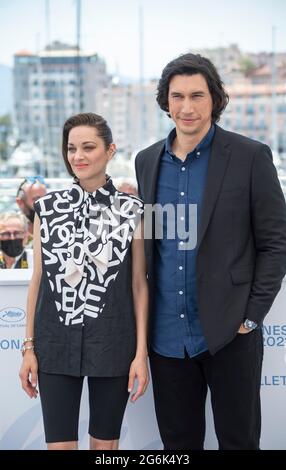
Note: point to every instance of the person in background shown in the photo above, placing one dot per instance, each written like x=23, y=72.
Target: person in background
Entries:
x=13, y=237
x=214, y=282
x=127, y=187
x=88, y=250
x=31, y=189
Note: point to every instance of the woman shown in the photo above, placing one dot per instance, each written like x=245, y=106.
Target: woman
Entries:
x=87, y=300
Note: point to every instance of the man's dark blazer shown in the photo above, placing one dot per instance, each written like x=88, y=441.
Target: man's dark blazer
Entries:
x=241, y=257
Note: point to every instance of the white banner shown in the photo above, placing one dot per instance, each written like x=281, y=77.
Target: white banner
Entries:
x=21, y=421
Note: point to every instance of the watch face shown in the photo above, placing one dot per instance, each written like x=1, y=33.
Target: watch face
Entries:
x=249, y=324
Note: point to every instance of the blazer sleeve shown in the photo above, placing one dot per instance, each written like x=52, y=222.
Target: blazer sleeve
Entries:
x=137, y=172
x=268, y=217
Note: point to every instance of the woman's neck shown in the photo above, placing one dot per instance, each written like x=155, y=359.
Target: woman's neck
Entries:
x=92, y=185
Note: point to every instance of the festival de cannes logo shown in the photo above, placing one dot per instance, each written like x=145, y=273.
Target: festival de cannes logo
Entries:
x=12, y=314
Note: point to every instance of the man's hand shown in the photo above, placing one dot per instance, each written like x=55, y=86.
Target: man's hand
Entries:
x=242, y=330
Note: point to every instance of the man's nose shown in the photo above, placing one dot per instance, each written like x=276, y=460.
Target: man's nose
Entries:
x=12, y=235
x=188, y=106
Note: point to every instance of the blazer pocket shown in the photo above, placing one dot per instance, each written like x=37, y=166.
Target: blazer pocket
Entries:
x=242, y=274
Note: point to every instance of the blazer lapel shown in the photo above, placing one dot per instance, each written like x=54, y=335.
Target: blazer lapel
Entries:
x=150, y=184
x=217, y=167
x=152, y=176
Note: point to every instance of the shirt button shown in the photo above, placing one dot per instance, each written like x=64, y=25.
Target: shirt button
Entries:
x=182, y=218
x=182, y=315
x=180, y=268
x=181, y=292
x=82, y=324
x=182, y=193
x=198, y=153
x=181, y=243
x=183, y=168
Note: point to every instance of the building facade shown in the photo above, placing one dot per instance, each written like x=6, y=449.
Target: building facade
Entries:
x=48, y=88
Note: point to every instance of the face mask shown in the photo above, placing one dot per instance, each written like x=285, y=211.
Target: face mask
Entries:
x=12, y=248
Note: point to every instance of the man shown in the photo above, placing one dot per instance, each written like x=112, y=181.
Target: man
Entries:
x=127, y=186
x=208, y=303
x=31, y=189
x=13, y=235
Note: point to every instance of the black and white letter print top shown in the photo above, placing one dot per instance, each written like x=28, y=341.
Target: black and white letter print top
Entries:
x=84, y=319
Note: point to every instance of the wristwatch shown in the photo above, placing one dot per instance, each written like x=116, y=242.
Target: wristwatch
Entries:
x=249, y=325
x=26, y=348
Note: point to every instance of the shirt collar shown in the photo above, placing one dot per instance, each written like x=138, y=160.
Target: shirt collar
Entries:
x=169, y=141
x=203, y=144
x=103, y=196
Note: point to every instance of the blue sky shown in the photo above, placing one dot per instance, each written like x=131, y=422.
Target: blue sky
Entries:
x=110, y=27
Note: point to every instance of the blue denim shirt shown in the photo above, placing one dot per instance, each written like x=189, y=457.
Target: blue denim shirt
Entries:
x=175, y=322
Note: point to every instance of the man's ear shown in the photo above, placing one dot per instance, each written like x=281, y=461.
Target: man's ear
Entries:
x=19, y=203
x=26, y=238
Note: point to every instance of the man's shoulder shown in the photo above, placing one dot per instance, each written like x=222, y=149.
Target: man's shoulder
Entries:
x=233, y=138
x=154, y=148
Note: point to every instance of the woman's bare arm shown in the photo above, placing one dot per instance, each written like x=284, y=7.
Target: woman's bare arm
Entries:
x=139, y=366
x=29, y=368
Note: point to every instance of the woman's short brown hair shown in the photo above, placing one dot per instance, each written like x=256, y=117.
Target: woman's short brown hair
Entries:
x=85, y=119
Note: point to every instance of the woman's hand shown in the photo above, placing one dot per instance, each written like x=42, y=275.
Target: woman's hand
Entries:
x=139, y=370
x=29, y=374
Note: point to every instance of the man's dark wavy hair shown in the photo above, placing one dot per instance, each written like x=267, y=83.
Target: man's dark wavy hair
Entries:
x=191, y=64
